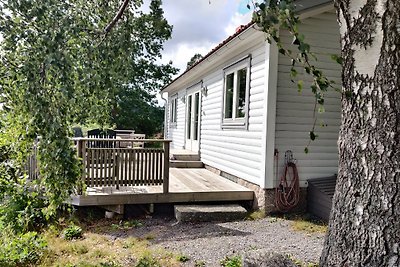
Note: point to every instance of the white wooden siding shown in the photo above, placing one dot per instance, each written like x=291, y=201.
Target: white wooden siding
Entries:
x=235, y=151
x=177, y=132
x=295, y=110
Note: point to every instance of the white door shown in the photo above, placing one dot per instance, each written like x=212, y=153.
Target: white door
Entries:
x=192, y=128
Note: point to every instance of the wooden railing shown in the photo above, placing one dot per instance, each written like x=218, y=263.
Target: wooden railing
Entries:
x=118, y=162
x=124, y=162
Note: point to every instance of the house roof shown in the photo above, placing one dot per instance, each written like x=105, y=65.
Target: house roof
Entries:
x=301, y=6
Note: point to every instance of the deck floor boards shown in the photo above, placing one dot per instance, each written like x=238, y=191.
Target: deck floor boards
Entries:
x=186, y=185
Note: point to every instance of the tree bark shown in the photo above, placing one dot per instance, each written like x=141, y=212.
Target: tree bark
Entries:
x=364, y=228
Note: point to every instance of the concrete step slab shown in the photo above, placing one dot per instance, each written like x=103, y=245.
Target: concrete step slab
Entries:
x=185, y=164
x=187, y=157
x=206, y=213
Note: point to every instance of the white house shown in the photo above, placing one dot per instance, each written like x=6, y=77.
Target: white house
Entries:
x=238, y=105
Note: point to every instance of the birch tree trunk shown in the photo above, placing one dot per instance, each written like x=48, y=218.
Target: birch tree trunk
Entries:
x=364, y=228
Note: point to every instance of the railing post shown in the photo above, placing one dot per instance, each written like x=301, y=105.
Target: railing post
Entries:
x=166, y=167
x=81, y=150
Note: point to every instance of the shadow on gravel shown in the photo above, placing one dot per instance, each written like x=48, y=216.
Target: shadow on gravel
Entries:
x=185, y=231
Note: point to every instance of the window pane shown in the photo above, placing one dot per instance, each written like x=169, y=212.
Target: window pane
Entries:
x=229, y=96
x=189, y=118
x=175, y=108
x=196, y=116
x=241, y=93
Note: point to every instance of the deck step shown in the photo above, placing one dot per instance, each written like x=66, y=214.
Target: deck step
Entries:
x=186, y=164
x=186, y=157
x=206, y=213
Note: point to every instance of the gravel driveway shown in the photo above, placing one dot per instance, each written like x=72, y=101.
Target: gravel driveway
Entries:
x=212, y=241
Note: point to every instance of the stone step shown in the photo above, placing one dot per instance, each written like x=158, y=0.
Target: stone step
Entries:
x=206, y=213
x=185, y=164
x=185, y=157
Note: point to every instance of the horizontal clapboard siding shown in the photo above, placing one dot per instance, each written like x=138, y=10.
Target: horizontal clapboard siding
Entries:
x=294, y=117
x=235, y=151
x=176, y=132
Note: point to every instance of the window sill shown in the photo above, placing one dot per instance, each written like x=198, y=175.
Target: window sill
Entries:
x=237, y=124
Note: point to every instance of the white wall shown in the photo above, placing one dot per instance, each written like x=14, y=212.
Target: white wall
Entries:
x=177, y=132
x=295, y=110
x=235, y=151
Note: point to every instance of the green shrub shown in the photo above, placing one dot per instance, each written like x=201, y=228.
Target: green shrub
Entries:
x=148, y=261
x=21, y=249
x=233, y=261
x=72, y=232
x=182, y=258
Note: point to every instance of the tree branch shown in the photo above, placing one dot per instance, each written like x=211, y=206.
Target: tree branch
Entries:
x=121, y=10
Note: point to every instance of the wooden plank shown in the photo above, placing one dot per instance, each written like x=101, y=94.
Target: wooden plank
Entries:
x=118, y=199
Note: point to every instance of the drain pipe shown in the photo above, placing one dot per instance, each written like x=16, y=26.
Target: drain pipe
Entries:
x=165, y=115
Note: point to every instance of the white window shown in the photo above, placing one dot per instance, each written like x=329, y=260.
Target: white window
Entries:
x=236, y=94
x=173, y=110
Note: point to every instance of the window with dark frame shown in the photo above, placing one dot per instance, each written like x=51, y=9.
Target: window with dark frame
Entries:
x=173, y=110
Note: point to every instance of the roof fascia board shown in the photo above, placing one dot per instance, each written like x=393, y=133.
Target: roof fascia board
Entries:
x=305, y=9
x=316, y=10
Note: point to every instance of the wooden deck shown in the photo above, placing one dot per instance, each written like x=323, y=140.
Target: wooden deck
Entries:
x=185, y=185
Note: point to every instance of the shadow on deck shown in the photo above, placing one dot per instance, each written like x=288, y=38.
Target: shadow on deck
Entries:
x=185, y=186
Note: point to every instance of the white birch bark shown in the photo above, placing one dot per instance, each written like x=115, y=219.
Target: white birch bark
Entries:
x=364, y=228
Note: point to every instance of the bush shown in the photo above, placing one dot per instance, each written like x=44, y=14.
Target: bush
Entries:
x=21, y=249
x=72, y=232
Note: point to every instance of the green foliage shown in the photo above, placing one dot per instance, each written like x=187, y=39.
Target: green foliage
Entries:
x=21, y=249
x=233, y=261
x=72, y=232
x=271, y=16
x=199, y=263
x=148, y=261
x=193, y=60
x=182, y=258
x=59, y=68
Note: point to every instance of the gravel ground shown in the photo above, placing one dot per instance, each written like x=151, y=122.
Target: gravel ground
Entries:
x=212, y=241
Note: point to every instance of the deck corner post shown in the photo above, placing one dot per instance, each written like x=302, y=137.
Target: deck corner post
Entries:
x=82, y=154
x=166, y=167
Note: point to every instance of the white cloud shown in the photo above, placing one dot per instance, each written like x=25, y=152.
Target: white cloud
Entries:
x=199, y=26
x=236, y=20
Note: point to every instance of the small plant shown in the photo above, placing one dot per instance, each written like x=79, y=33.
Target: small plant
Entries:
x=256, y=215
x=148, y=261
x=233, y=261
x=182, y=258
x=79, y=249
x=127, y=225
x=199, y=263
x=72, y=232
x=109, y=264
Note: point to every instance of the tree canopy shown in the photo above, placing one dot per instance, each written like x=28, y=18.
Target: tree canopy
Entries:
x=65, y=63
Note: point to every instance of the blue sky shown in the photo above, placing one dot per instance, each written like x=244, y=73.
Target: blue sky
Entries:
x=199, y=25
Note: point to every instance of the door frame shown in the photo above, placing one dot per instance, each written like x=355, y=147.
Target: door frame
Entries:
x=191, y=143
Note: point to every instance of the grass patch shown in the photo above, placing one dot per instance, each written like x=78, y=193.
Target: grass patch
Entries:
x=308, y=224
x=301, y=263
x=256, y=215
x=100, y=250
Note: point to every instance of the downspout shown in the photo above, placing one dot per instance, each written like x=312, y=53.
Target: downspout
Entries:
x=165, y=115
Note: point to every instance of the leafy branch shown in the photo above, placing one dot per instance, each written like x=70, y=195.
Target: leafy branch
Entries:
x=270, y=17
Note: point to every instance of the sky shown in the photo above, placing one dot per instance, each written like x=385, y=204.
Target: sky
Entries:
x=199, y=26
